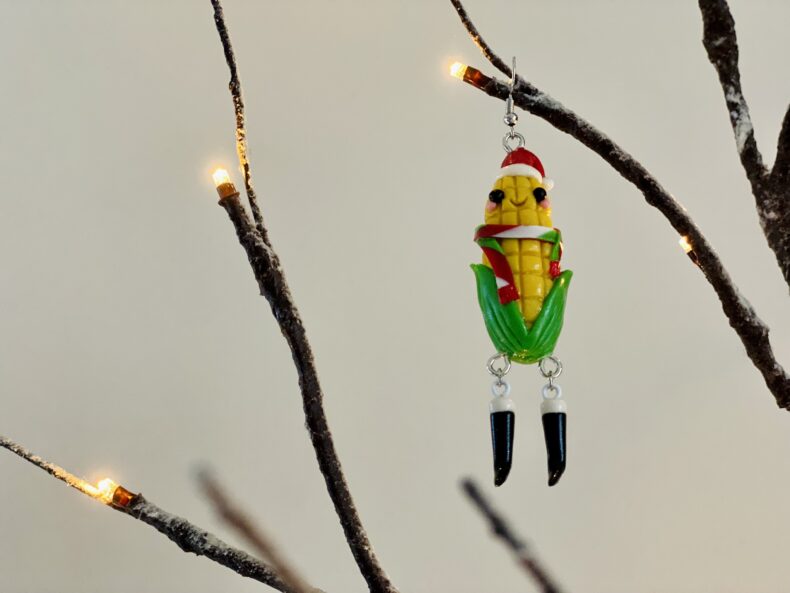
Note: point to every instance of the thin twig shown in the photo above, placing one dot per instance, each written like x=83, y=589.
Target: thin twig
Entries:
x=238, y=108
x=241, y=523
x=273, y=286
x=742, y=317
x=481, y=44
x=502, y=529
x=53, y=470
x=771, y=190
x=184, y=534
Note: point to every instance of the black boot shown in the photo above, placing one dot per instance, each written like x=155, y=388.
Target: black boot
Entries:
x=503, y=423
x=554, y=427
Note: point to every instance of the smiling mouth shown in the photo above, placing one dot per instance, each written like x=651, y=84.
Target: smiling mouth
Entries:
x=521, y=203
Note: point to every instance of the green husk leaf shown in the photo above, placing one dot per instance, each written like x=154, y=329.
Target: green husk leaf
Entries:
x=507, y=328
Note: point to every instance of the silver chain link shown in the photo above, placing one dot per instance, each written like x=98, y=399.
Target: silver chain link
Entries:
x=551, y=368
x=500, y=386
x=501, y=371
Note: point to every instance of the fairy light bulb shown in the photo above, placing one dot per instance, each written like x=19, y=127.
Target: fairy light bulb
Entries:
x=225, y=187
x=106, y=488
x=469, y=75
x=688, y=249
x=458, y=70
x=220, y=177
x=110, y=493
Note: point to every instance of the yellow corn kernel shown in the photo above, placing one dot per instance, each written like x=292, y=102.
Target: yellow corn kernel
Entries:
x=528, y=258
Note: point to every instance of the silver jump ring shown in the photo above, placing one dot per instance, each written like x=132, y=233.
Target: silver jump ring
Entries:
x=498, y=372
x=513, y=135
x=550, y=372
x=500, y=388
x=551, y=392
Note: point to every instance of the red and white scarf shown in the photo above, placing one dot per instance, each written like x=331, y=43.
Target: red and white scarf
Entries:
x=486, y=236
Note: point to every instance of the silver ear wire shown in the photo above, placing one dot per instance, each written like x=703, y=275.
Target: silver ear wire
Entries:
x=511, y=117
x=513, y=75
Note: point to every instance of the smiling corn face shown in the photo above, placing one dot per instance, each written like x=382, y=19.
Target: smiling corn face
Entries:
x=529, y=259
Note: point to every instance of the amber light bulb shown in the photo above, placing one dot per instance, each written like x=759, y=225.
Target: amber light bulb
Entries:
x=458, y=70
x=225, y=187
x=111, y=493
x=685, y=244
x=469, y=75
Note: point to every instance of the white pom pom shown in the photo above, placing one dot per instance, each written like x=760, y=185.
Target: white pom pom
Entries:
x=548, y=183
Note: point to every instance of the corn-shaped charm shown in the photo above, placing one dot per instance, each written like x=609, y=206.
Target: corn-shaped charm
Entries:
x=520, y=286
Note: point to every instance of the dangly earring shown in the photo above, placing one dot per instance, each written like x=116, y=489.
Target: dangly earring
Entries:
x=522, y=291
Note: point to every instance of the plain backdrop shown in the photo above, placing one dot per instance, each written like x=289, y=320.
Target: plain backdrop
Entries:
x=134, y=344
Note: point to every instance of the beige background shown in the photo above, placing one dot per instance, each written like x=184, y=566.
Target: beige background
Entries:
x=133, y=343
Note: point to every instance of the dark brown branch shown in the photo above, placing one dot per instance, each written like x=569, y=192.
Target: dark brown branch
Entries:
x=243, y=525
x=191, y=538
x=184, y=534
x=771, y=192
x=502, y=529
x=273, y=286
x=481, y=44
x=739, y=312
x=781, y=171
x=721, y=44
x=238, y=108
x=271, y=281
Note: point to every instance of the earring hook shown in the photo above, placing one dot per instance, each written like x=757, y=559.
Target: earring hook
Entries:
x=512, y=84
x=511, y=117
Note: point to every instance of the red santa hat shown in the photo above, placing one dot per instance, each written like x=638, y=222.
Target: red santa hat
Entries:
x=523, y=162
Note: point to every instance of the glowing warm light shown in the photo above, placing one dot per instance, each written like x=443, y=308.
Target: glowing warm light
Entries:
x=686, y=245
x=220, y=177
x=225, y=187
x=458, y=70
x=106, y=488
x=109, y=492
x=469, y=75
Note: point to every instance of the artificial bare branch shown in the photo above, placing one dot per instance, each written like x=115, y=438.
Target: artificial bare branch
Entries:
x=481, y=44
x=742, y=317
x=502, y=529
x=771, y=190
x=721, y=44
x=244, y=526
x=184, y=534
x=780, y=173
x=191, y=538
x=273, y=286
x=238, y=108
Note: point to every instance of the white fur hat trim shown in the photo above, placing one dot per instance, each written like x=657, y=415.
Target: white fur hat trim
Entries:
x=520, y=169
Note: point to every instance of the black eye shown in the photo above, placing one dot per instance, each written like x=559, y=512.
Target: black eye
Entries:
x=497, y=196
x=539, y=193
